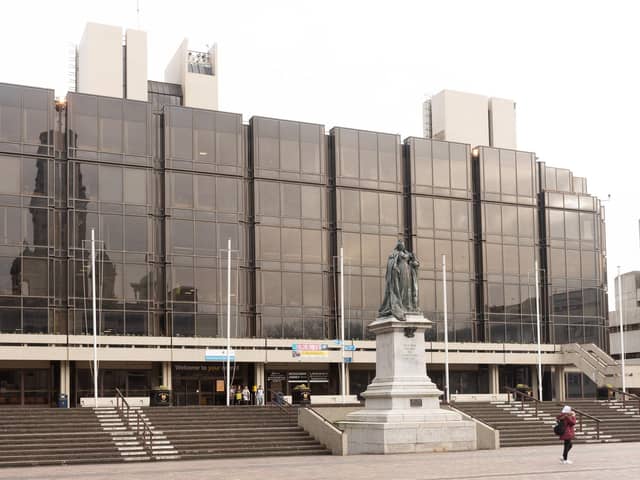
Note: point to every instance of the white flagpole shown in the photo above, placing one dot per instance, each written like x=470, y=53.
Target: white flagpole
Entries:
x=95, y=334
x=446, y=329
x=342, y=365
x=620, y=315
x=228, y=319
x=538, y=328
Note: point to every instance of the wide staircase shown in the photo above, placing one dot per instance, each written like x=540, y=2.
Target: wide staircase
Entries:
x=244, y=431
x=520, y=424
x=619, y=420
x=43, y=436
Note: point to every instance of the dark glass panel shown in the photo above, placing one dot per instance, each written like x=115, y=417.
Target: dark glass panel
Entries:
x=312, y=289
x=34, y=281
x=460, y=216
x=425, y=252
x=34, y=176
x=180, y=132
x=314, y=328
x=36, y=104
x=289, y=147
x=271, y=288
x=491, y=169
x=268, y=144
x=526, y=222
x=511, y=263
x=135, y=128
x=371, y=292
x=183, y=324
x=387, y=152
x=508, y=172
x=206, y=284
x=269, y=246
x=525, y=174
x=352, y=248
x=370, y=250
x=291, y=201
x=557, y=263
x=112, y=232
x=442, y=214
x=84, y=122
x=389, y=214
x=182, y=236
x=10, y=113
x=10, y=226
x=135, y=186
x=461, y=260
x=110, y=125
x=271, y=327
x=494, y=258
x=36, y=226
x=350, y=206
x=441, y=164
x=182, y=189
x=10, y=178
x=311, y=202
x=207, y=325
x=368, y=143
x=136, y=324
x=206, y=238
x=8, y=281
x=110, y=184
x=509, y=221
x=443, y=247
x=292, y=327
x=527, y=259
x=424, y=212
x=492, y=219
x=459, y=162
x=86, y=181
x=587, y=227
x=228, y=128
x=310, y=138
x=136, y=282
x=292, y=289
x=423, y=167
x=227, y=194
x=370, y=208
x=573, y=264
x=204, y=136
x=136, y=234
x=556, y=223
x=35, y=321
x=205, y=192
x=183, y=284
x=312, y=246
x=291, y=245
x=269, y=204
x=9, y=319
x=572, y=225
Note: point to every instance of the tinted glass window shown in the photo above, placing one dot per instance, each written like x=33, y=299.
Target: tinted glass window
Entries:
x=110, y=124
x=10, y=178
x=289, y=147
x=440, y=164
x=110, y=184
x=135, y=128
x=136, y=234
x=310, y=137
x=180, y=133
x=205, y=192
x=36, y=110
x=135, y=186
x=182, y=190
x=84, y=132
x=227, y=138
x=227, y=194
x=10, y=113
x=348, y=145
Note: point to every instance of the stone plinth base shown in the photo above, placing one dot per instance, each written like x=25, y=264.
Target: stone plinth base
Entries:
x=402, y=411
x=384, y=438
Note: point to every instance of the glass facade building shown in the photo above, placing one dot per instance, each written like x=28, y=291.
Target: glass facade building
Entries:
x=165, y=187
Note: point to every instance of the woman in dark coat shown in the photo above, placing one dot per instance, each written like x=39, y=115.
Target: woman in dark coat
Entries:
x=568, y=417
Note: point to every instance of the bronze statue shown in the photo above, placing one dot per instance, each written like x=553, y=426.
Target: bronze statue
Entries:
x=401, y=284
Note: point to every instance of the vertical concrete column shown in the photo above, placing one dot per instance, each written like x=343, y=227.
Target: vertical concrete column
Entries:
x=259, y=375
x=534, y=381
x=559, y=386
x=347, y=390
x=65, y=380
x=166, y=375
x=494, y=380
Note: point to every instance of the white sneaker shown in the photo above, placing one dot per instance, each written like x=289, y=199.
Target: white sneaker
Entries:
x=562, y=460
x=568, y=461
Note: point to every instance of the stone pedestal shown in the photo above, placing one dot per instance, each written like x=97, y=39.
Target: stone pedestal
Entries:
x=402, y=410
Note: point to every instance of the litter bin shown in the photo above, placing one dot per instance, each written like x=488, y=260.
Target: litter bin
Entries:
x=160, y=397
x=301, y=395
x=63, y=400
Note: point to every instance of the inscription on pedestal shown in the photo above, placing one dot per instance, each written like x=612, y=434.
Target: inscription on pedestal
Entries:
x=409, y=351
x=415, y=402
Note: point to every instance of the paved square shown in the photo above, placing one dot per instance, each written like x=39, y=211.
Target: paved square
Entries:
x=620, y=461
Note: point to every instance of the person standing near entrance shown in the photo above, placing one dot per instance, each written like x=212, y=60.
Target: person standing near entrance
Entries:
x=260, y=396
x=232, y=394
x=568, y=419
x=246, y=395
x=239, y=395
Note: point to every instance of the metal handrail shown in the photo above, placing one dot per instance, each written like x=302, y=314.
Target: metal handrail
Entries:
x=584, y=414
x=624, y=395
x=523, y=396
x=283, y=405
x=141, y=423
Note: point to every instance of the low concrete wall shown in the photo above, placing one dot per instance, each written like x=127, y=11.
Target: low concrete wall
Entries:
x=323, y=431
x=480, y=397
x=111, y=401
x=327, y=399
x=487, y=438
x=337, y=413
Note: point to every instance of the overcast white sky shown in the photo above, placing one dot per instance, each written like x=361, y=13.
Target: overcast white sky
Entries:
x=571, y=66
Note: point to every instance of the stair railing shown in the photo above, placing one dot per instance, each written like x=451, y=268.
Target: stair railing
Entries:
x=523, y=396
x=582, y=414
x=143, y=430
x=632, y=398
x=277, y=399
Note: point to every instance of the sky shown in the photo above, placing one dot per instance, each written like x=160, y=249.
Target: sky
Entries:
x=571, y=66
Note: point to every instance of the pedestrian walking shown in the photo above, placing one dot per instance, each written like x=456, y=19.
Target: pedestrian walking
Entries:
x=239, y=395
x=246, y=395
x=565, y=428
x=232, y=394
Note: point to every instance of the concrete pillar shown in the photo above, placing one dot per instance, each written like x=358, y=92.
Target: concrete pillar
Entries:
x=494, y=379
x=534, y=381
x=259, y=375
x=347, y=390
x=65, y=379
x=559, y=386
x=166, y=375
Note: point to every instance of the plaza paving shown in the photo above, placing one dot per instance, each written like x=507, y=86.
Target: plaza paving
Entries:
x=620, y=461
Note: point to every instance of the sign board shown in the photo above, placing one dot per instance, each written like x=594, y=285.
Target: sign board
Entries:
x=309, y=350
x=319, y=377
x=348, y=359
x=219, y=385
x=276, y=377
x=219, y=355
x=349, y=348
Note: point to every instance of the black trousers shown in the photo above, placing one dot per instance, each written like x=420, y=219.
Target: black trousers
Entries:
x=567, y=447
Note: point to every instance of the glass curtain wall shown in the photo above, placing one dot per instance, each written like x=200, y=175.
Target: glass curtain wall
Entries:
x=576, y=259
x=509, y=244
x=369, y=218
x=205, y=199
x=440, y=195
x=293, y=291
x=26, y=210
x=112, y=189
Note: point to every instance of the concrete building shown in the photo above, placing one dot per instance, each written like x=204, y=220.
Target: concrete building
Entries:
x=470, y=118
x=630, y=318
x=165, y=186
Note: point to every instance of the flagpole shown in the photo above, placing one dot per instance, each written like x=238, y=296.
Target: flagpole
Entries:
x=342, y=365
x=446, y=329
x=95, y=333
x=228, y=319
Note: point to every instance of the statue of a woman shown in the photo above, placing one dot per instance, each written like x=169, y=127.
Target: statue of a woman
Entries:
x=401, y=284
